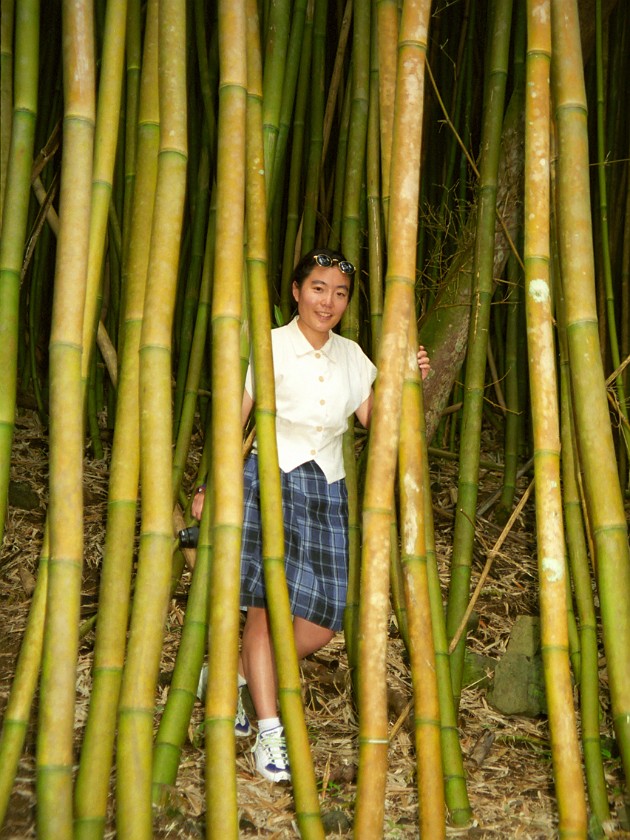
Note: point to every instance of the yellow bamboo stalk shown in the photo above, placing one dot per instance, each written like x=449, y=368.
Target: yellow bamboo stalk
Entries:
x=387, y=22
x=227, y=457
x=379, y=493
x=153, y=581
x=93, y=778
x=412, y=466
x=105, y=142
x=546, y=431
x=55, y=754
x=596, y=447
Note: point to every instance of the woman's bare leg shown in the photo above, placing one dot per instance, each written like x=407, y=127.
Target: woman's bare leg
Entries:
x=257, y=661
x=309, y=637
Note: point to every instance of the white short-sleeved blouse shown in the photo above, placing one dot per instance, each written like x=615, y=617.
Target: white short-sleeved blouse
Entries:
x=316, y=392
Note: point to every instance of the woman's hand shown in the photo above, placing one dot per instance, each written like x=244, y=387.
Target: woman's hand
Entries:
x=198, y=500
x=424, y=363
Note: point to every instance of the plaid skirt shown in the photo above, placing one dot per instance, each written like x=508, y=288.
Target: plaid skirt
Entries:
x=315, y=543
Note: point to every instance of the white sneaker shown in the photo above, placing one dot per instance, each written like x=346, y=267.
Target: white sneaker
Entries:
x=270, y=752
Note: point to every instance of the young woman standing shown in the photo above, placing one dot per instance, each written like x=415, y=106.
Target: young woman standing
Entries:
x=321, y=379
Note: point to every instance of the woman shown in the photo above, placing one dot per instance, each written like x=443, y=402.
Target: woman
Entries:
x=321, y=379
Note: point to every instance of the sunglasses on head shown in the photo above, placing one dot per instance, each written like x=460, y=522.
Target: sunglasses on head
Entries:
x=325, y=261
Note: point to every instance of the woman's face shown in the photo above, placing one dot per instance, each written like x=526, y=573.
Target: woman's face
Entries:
x=321, y=301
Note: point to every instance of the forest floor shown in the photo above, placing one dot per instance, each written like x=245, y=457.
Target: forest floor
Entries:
x=510, y=787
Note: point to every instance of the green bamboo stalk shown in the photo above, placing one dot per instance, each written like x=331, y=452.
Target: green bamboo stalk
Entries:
x=355, y=158
x=153, y=582
x=204, y=77
x=316, y=136
x=334, y=235
x=133, y=54
x=597, y=454
x=197, y=351
x=455, y=791
x=512, y=394
x=56, y=718
x=413, y=469
x=396, y=582
x=93, y=778
x=302, y=101
x=194, y=272
x=105, y=143
x=274, y=74
x=582, y=584
x=483, y=261
x=374, y=204
x=173, y=728
x=353, y=171
x=381, y=466
x=546, y=435
x=227, y=460
x=7, y=16
x=15, y=193
x=289, y=85
x=611, y=322
x=17, y=712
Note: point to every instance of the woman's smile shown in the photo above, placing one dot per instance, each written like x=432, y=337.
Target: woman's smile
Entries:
x=322, y=298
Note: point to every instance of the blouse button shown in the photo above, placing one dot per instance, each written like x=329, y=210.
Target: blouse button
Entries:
x=313, y=452
x=322, y=402
x=319, y=429
x=321, y=378
x=318, y=355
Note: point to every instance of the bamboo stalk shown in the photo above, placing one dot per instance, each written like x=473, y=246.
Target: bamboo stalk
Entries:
x=381, y=467
x=483, y=261
x=135, y=720
x=7, y=17
x=227, y=463
x=374, y=204
x=543, y=386
x=355, y=157
x=316, y=138
x=173, y=728
x=15, y=192
x=275, y=60
x=413, y=468
x=17, y=712
x=105, y=143
x=93, y=778
x=611, y=322
x=291, y=239
x=597, y=454
x=56, y=719
x=582, y=584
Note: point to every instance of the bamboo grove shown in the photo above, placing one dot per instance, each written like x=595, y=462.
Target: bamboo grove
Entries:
x=162, y=166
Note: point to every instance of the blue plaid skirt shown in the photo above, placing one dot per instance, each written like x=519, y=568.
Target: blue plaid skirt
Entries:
x=315, y=542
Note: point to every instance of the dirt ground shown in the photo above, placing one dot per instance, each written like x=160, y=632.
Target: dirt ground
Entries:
x=510, y=788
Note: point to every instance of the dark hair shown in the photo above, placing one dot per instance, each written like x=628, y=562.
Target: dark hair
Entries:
x=307, y=263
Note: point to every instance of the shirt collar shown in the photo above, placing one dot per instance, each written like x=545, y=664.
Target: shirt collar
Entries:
x=302, y=346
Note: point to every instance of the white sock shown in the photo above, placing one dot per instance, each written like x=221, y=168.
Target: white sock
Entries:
x=266, y=724
x=241, y=681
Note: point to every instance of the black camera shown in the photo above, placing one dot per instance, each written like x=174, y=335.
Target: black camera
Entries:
x=188, y=537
